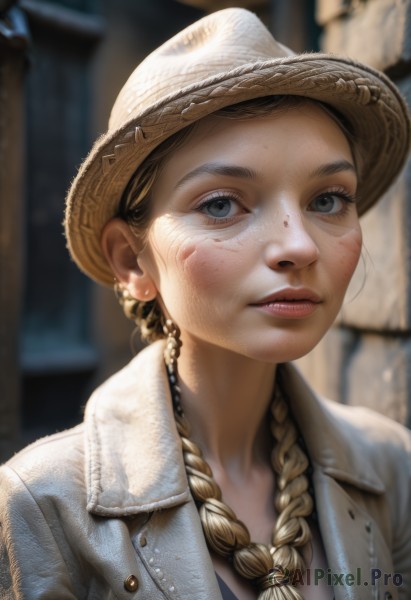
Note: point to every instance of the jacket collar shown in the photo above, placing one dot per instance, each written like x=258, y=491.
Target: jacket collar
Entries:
x=133, y=450
x=333, y=433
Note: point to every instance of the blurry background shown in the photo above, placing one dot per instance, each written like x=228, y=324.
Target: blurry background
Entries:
x=62, y=63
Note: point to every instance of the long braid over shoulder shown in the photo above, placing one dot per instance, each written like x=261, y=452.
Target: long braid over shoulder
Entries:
x=272, y=569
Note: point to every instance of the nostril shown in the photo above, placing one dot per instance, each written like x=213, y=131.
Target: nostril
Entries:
x=285, y=263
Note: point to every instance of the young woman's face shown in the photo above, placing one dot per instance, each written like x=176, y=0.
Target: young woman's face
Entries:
x=255, y=233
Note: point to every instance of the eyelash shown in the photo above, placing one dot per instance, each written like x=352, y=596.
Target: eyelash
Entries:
x=341, y=193
x=219, y=195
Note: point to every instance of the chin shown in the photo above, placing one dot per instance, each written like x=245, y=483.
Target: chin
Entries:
x=284, y=349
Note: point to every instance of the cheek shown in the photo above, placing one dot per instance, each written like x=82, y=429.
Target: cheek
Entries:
x=208, y=263
x=349, y=251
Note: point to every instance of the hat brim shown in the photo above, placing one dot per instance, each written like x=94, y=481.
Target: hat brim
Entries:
x=376, y=111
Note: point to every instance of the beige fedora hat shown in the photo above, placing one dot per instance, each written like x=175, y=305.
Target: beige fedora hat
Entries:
x=225, y=58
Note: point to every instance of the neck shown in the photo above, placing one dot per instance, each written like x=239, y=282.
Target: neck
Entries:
x=226, y=398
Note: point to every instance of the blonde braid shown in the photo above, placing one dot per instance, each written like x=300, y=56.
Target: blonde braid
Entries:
x=271, y=569
x=292, y=501
x=147, y=316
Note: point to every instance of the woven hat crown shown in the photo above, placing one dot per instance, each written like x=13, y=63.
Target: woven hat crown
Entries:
x=216, y=44
x=226, y=58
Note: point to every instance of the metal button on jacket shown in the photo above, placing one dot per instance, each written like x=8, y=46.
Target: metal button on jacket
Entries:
x=131, y=583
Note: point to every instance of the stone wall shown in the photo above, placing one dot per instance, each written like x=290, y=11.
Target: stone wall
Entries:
x=366, y=359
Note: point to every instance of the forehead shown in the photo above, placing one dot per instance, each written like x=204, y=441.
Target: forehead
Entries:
x=306, y=133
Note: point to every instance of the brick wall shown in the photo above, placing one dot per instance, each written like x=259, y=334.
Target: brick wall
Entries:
x=366, y=358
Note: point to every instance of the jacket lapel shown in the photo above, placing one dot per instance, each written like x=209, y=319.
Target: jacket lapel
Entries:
x=331, y=434
x=175, y=554
x=358, y=556
x=343, y=476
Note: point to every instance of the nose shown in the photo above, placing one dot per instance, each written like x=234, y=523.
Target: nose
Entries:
x=291, y=244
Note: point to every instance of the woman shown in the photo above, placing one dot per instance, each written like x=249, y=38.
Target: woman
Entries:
x=223, y=206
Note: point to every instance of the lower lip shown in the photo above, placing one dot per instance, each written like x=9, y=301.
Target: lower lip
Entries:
x=289, y=310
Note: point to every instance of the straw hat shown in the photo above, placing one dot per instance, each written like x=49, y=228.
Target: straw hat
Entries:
x=225, y=58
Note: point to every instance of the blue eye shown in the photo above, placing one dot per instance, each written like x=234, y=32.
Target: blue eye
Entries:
x=330, y=203
x=220, y=207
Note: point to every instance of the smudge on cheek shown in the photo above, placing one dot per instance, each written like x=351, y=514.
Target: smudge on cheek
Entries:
x=204, y=263
x=186, y=251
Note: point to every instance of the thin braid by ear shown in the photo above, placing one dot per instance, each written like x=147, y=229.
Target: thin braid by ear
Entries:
x=146, y=315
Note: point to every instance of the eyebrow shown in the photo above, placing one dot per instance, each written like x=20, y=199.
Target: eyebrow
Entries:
x=245, y=173
x=333, y=168
x=218, y=169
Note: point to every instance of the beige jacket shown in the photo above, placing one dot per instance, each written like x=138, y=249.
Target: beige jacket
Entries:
x=83, y=510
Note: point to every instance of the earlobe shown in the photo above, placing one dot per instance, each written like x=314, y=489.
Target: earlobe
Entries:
x=121, y=248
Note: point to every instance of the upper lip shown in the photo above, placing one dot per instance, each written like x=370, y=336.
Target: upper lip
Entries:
x=290, y=295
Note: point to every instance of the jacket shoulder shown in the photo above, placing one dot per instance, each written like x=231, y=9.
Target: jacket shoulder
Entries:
x=49, y=464
x=372, y=427
x=374, y=445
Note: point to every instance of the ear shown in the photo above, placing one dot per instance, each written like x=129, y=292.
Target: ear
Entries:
x=121, y=248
